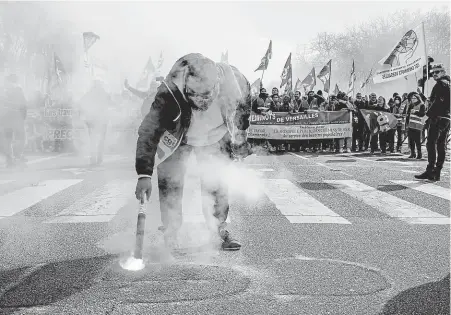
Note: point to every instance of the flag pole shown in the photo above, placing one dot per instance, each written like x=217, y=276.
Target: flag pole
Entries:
x=427, y=59
x=261, y=79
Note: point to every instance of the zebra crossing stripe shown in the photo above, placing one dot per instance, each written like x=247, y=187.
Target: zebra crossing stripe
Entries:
x=428, y=188
x=26, y=197
x=101, y=205
x=389, y=204
x=192, y=201
x=298, y=206
x=265, y=170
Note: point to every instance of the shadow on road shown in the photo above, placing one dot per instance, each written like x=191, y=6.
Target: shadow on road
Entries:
x=427, y=299
x=50, y=283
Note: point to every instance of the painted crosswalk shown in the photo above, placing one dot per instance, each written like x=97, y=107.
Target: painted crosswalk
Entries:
x=292, y=200
x=427, y=188
x=298, y=206
x=389, y=204
x=22, y=199
x=101, y=205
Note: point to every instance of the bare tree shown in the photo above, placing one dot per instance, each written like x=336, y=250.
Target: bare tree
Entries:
x=368, y=42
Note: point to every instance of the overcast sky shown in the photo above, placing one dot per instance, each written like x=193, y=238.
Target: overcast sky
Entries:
x=131, y=31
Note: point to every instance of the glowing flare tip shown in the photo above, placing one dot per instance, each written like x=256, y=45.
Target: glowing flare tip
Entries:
x=132, y=264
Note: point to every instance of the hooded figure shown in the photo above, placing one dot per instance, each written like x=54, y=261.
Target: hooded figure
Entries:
x=202, y=106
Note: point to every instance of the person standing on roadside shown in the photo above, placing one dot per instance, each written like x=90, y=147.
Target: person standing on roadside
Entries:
x=13, y=112
x=439, y=124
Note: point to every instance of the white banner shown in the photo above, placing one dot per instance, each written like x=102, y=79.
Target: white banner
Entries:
x=407, y=57
x=300, y=132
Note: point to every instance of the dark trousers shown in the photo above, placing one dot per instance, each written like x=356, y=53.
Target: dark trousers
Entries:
x=391, y=138
x=366, y=137
x=436, y=143
x=398, y=137
x=171, y=175
x=97, y=135
x=358, y=135
x=414, y=140
x=381, y=138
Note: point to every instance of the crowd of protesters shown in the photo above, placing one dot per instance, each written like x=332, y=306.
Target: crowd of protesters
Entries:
x=23, y=124
x=402, y=107
x=40, y=124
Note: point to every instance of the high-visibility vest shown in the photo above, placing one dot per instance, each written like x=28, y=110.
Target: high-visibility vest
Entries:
x=416, y=122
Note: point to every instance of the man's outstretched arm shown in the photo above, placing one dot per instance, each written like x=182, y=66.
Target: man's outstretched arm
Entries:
x=140, y=94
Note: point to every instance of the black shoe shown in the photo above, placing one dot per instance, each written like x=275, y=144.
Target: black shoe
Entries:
x=228, y=243
x=412, y=156
x=436, y=174
x=419, y=156
x=426, y=175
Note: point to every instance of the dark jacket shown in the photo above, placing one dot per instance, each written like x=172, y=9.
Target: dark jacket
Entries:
x=359, y=105
x=440, y=99
x=372, y=106
x=297, y=105
x=260, y=102
x=283, y=108
x=165, y=126
x=341, y=104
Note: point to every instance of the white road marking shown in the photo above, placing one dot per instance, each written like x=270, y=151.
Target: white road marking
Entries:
x=389, y=204
x=409, y=171
x=428, y=188
x=298, y=206
x=299, y=156
x=99, y=206
x=47, y=158
x=265, y=170
x=192, y=201
x=21, y=199
x=369, y=160
x=322, y=165
x=77, y=171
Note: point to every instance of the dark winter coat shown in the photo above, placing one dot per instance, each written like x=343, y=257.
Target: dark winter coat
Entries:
x=440, y=99
x=165, y=126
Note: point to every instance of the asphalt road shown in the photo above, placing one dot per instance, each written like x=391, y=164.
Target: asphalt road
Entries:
x=321, y=234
